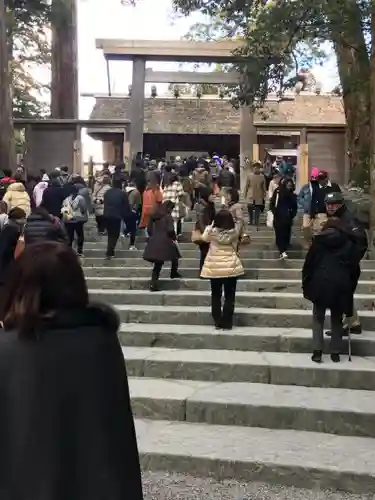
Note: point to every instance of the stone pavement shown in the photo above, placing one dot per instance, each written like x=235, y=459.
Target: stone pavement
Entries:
x=247, y=405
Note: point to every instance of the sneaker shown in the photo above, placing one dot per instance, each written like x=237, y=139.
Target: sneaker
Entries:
x=133, y=248
x=283, y=255
x=317, y=356
x=80, y=254
x=154, y=287
x=335, y=357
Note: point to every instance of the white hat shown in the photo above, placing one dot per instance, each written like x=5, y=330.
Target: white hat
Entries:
x=45, y=178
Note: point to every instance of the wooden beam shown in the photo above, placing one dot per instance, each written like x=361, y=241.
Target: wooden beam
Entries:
x=197, y=77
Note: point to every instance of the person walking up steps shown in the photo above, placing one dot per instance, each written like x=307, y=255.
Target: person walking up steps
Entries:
x=162, y=245
x=205, y=212
x=283, y=205
x=74, y=214
x=222, y=267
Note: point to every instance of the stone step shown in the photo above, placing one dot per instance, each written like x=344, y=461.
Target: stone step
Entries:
x=334, y=411
x=253, y=254
x=273, y=300
x=299, y=458
x=191, y=315
x=196, y=284
x=295, y=340
x=277, y=368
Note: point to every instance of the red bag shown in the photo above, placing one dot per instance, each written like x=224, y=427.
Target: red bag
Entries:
x=20, y=247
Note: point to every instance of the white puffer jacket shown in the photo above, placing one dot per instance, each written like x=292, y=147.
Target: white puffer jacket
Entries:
x=222, y=260
x=16, y=196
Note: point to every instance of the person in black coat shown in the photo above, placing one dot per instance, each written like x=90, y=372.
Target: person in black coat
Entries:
x=116, y=210
x=283, y=205
x=42, y=226
x=66, y=424
x=327, y=282
x=162, y=244
x=54, y=195
x=8, y=240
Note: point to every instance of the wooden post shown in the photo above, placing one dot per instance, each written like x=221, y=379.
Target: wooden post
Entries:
x=303, y=167
x=7, y=143
x=64, y=83
x=372, y=159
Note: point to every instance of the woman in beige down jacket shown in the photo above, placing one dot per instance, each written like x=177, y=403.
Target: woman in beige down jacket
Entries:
x=222, y=266
x=16, y=196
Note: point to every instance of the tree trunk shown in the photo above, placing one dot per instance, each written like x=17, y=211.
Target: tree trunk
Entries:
x=7, y=151
x=64, y=85
x=372, y=163
x=354, y=71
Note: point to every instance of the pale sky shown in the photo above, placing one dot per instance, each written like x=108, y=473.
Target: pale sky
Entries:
x=152, y=20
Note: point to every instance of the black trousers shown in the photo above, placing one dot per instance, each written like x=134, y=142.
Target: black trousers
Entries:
x=203, y=248
x=131, y=227
x=100, y=223
x=158, y=267
x=282, y=235
x=75, y=228
x=113, y=227
x=254, y=213
x=223, y=316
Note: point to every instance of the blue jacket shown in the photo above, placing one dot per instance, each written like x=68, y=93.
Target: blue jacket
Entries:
x=304, y=198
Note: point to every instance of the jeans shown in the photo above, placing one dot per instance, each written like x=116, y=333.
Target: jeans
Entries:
x=319, y=314
x=75, y=228
x=254, y=213
x=113, y=227
x=100, y=224
x=158, y=267
x=203, y=249
x=223, y=317
x=283, y=235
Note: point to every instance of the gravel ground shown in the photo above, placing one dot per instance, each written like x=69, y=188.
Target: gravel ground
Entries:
x=164, y=486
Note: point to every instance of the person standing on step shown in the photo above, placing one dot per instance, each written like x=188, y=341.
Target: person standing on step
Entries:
x=318, y=207
x=335, y=205
x=174, y=192
x=116, y=210
x=205, y=215
x=75, y=215
x=222, y=267
x=283, y=205
x=255, y=194
x=304, y=200
x=131, y=222
x=162, y=244
x=102, y=185
x=327, y=283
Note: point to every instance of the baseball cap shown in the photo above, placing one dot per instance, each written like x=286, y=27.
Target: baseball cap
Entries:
x=334, y=198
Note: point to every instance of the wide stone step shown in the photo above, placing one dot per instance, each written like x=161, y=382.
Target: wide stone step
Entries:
x=252, y=316
x=296, y=340
x=273, y=300
x=302, y=459
x=278, y=368
x=196, y=284
x=89, y=260
x=333, y=411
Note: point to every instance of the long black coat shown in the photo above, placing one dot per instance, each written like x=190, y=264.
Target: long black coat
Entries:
x=66, y=425
x=161, y=246
x=328, y=271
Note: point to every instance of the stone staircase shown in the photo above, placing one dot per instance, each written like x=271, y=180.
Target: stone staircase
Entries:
x=248, y=404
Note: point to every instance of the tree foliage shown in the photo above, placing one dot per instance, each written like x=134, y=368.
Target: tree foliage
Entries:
x=281, y=35
x=28, y=50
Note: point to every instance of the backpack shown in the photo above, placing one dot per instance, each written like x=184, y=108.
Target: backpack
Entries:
x=71, y=208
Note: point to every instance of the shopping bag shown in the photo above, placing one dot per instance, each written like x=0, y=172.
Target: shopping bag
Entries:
x=269, y=221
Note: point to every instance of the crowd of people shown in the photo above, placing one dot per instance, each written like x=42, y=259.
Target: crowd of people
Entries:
x=66, y=425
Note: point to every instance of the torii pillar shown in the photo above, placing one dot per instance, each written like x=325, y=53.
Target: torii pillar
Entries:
x=249, y=149
x=137, y=104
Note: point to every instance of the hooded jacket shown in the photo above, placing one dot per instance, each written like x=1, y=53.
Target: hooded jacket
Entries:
x=16, y=196
x=161, y=246
x=222, y=260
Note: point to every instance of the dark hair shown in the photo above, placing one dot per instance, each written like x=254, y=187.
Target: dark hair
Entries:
x=65, y=168
x=17, y=213
x=46, y=278
x=234, y=196
x=224, y=220
x=77, y=179
x=54, y=175
x=116, y=183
